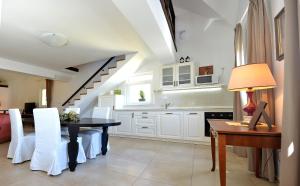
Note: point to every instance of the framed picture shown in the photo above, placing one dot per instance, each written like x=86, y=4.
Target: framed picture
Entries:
x=279, y=22
x=206, y=70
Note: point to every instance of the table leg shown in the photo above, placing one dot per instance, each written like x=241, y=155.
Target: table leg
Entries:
x=257, y=161
x=73, y=146
x=213, y=150
x=104, y=140
x=222, y=158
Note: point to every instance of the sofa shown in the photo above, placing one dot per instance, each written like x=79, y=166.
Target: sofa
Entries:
x=4, y=128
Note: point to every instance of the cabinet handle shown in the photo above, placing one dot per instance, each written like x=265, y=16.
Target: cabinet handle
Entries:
x=132, y=115
x=169, y=113
x=144, y=117
x=144, y=112
x=145, y=127
x=193, y=113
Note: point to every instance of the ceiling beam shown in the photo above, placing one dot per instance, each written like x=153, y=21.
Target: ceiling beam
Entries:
x=7, y=64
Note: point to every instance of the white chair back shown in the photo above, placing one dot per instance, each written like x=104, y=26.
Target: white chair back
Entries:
x=101, y=112
x=74, y=109
x=47, y=130
x=16, y=125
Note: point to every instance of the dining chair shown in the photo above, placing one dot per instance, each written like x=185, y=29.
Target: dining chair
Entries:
x=21, y=146
x=92, y=138
x=51, y=149
x=101, y=112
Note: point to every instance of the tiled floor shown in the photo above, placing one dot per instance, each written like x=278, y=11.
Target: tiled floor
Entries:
x=138, y=163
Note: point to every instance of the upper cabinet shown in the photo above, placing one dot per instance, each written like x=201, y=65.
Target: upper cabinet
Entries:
x=177, y=75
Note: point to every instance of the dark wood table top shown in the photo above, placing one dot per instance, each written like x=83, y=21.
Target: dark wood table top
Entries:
x=84, y=122
x=220, y=126
x=92, y=122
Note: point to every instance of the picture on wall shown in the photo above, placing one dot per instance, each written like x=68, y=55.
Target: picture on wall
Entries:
x=279, y=21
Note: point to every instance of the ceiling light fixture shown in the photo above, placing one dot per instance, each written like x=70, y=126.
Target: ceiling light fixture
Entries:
x=54, y=39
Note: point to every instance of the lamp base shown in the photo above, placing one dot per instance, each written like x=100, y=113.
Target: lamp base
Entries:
x=250, y=106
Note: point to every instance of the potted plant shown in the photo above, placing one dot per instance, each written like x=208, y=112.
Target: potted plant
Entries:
x=142, y=96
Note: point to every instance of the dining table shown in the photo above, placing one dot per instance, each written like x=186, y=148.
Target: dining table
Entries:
x=73, y=129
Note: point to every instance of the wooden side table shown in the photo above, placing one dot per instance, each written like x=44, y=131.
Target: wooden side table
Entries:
x=227, y=134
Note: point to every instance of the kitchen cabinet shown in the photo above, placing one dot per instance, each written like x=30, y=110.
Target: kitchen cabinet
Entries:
x=126, y=119
x=177, y=75
x=185, y=125
x=194, y=126
x=170, y=125
x=145, y=124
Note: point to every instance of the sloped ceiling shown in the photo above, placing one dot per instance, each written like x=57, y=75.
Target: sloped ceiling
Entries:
x=95, y=29
x=229, y=11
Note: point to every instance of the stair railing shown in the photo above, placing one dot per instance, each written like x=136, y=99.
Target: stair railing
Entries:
x=87, y=81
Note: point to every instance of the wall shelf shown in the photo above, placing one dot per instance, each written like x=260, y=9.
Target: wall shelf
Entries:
x=199, y=88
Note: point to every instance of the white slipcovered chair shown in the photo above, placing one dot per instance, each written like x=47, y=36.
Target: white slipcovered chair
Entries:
x=92, y=138
x=51, y=154
x=21, y=146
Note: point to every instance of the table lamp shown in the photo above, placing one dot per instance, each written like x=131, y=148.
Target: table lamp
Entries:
x=250, y=78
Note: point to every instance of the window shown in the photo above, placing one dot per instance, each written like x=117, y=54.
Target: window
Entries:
x=139, y=89
x=44, y=97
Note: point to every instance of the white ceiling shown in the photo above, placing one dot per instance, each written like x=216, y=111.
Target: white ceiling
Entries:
x=95, y=29
x=196, y=6
x=229, y=11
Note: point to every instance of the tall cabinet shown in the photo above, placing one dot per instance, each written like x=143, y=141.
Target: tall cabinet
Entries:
x=177, y=75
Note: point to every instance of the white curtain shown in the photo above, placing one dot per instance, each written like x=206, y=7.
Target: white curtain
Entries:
x=260, y=51
x=290, y=146
x=237, y=103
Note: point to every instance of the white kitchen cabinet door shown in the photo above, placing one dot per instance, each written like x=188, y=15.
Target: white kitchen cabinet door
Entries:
x=185, y=75
x=170, y=125
x=126, y=122
x=194, y=126
x=168, y=76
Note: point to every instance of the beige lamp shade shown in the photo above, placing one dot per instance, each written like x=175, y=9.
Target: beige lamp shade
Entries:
x=252, y=76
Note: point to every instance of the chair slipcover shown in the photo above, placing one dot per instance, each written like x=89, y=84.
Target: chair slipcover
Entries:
x=92, y=138
x=51, y=154
x=21, y=146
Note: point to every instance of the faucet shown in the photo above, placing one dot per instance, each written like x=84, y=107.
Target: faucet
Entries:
x=167, y=105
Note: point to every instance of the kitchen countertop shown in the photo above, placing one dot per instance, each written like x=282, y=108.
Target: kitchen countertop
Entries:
x=173, y=108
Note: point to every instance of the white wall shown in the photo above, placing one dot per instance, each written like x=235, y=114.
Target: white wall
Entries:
x=213, y=46
x=206, y=45
x=21, y=88
x=63, y=90
x=278, y=66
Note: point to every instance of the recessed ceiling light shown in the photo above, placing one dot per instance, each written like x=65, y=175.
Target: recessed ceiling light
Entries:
x=54, y=39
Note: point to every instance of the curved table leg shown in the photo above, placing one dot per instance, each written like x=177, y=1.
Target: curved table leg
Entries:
x=104, y=140
x=213, y=150
x=73, y=146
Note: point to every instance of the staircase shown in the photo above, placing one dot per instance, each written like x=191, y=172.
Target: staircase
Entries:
x=114, y=72
x=96, y=80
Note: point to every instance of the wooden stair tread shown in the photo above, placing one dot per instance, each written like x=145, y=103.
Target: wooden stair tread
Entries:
x=89, y=87
x=112, y=67
x=83, y=93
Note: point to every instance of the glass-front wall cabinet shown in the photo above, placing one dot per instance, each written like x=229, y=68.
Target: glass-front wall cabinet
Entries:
x=168, y=73
x=177, y=75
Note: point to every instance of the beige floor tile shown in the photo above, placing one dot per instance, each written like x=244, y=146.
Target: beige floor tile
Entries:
x=145, y=182
x=171, y=173
x=107, y=178
x=139, y=163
